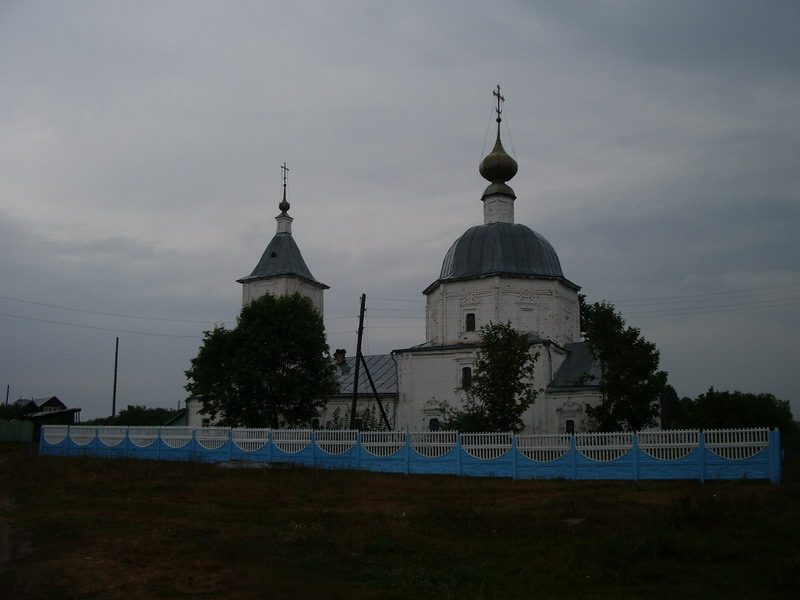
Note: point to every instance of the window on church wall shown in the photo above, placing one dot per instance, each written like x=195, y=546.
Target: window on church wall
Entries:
x=466, y=377
x=526, y=319
x=433, y=424
x=569, y=427
x=469, y=322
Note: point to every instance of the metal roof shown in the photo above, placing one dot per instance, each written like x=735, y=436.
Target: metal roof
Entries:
x=500, y=249
x=579, y=371
x=282, y=257
x=382, y=368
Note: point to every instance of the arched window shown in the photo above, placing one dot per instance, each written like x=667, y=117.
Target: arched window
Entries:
x=469, y=322
x=466, y=377
x=433, y=424
x=314, y=423
x=570, y=427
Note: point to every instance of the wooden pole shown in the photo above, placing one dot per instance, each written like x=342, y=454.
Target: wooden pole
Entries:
x=375, y=393
x=114, y=396
x=354, y=403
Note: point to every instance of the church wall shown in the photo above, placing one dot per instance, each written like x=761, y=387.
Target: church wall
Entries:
x=282, y=286
x=428, y=378
x=544, y=307
x=425, y=380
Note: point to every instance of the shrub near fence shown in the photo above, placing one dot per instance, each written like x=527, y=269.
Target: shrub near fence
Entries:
x=723, y=454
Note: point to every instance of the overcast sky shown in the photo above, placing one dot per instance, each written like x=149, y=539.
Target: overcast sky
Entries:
x=140, y=148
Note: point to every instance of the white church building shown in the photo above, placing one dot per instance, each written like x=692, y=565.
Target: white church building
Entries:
x=496, y=272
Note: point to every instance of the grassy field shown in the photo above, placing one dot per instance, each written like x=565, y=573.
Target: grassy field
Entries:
x=99, y=528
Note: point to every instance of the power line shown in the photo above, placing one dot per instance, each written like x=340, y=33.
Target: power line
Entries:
x=759, y=291
x=699, y=310
x=105, y=314
x=100, y=328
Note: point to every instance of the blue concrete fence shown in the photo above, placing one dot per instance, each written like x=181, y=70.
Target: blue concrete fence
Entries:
x=720, y=454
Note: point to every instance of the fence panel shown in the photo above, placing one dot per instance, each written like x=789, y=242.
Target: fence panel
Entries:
x=432, y=444
x=335, y=441
x=604, y=447
x=16, y=431
x=250, y=440
x=112, y=436
x=383, y=443
x=291, y=441
x=486, y=446
x=737, y=444
x=211, y=438
x=668, y=445
x=544, y=448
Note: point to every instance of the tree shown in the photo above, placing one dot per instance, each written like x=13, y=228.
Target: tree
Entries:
x=731, y=410
x=138, y=415
x=501, y=387
x=15, y=411
x=272, y=370
x=631, y=383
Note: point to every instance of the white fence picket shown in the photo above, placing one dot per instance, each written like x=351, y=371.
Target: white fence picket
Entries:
x=383, y=443
x=604, y=447
x=668, y=445
x=212, y=438
x=82, y=436
x=55, y=434
x=335, y=441
x=737, y=444
x=112, y=435
x=432, y=444
x=291, y=441
x=143, y=436
x=250, y=440
x=544, y=448
x=176, y=437
x=486, y=446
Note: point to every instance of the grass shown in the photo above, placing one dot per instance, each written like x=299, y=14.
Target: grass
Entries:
x=104, y=528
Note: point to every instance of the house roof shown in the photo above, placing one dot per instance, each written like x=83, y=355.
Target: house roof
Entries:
x=382, y=368
x=533, y=339
x=40, y=402
x=579, y=371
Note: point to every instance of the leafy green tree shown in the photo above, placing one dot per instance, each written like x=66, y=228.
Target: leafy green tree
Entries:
x=272, y=370
x=501, y=388
x=631, y=384
x=733, y=410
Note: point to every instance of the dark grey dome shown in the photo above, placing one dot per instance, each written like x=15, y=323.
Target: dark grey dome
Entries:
x=500, y=248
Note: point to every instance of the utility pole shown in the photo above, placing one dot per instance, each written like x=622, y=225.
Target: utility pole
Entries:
x=114, y=397
x=358, y=361
x=8, y=390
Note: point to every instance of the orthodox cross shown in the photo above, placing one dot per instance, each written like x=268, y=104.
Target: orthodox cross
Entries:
x=284, y=205
x=500, y=100
x=285, y=170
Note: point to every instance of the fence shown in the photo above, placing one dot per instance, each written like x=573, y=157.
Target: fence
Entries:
x=721, y=454
x=16, y=431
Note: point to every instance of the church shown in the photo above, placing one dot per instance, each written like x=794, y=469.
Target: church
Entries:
x=496, y=272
